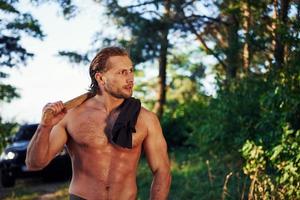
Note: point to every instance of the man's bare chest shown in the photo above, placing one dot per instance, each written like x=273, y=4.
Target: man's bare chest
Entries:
x=91, y=129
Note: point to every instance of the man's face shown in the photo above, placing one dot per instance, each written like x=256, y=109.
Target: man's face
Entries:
x=118, y=79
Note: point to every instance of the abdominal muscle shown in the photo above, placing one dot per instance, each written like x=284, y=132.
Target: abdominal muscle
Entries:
x=109, y=173
x=106, y=173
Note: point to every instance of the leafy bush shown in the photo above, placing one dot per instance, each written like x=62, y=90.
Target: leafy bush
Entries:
x=178, y=122
x=6, y=130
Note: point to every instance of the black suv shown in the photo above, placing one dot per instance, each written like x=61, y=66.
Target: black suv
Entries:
x=12, y=160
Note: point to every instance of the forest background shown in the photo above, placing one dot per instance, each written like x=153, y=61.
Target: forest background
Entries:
x=241, y=141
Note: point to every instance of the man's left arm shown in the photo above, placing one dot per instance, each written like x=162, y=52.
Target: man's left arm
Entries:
x=155, y=148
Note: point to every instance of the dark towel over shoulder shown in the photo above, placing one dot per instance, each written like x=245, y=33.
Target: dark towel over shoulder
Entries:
x=125, y=123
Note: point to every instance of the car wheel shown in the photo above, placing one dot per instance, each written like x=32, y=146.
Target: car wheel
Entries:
x=7, y=179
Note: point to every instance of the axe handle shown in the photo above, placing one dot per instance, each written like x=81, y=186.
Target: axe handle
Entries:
x=48, y=114
x=76, y=101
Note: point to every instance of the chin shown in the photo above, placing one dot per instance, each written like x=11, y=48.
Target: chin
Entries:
x=126, y=96
x=122, y=95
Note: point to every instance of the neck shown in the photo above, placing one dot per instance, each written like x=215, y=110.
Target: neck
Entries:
x=110, y=102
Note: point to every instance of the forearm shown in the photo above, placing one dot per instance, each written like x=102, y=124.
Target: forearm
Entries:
x=160, y=185
x=37, y=151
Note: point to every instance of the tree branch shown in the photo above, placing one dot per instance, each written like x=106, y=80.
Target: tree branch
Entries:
x=199, y=37
x=218, y=20
x=138, y=5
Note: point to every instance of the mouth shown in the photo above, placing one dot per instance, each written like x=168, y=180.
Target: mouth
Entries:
x=128, y=87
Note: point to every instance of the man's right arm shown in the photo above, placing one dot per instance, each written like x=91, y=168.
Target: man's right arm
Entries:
x=49, y=138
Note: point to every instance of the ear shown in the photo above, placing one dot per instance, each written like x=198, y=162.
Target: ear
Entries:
x=101, y=79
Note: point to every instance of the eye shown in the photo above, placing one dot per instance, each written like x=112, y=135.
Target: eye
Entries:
x=123, y=72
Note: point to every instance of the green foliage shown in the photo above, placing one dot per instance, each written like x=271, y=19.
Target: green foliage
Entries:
x=231, y=117
x=285, y=159
x=179, y=119
x=145, y=30
x=189, y=177
x=66, y=7
x=7, y=92
x=14, y=24
x=255, y=167
x=29, y=190
x=6, y=131
x=251, y=115
x=74, y=57
x=279, y=133
x=274, y=173
x=185, y=102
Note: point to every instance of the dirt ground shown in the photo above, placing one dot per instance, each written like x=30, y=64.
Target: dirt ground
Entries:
x=35, y=189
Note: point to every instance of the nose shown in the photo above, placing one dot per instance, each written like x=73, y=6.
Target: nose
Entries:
x=130, y=79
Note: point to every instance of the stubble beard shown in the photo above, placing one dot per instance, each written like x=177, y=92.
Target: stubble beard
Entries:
x=118, y=93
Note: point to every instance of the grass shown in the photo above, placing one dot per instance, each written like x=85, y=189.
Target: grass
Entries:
x=34, y=189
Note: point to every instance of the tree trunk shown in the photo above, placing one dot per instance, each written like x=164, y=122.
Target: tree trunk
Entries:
x=281, y=20
x=246, y=25
x=233, y=50
x=159, y=105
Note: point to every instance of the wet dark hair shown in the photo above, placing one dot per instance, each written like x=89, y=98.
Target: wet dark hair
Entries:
x=98, y=64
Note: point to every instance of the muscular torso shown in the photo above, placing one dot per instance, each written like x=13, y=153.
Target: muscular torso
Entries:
x=101, y=170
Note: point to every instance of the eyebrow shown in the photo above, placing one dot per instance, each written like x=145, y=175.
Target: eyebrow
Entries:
x=126, y=68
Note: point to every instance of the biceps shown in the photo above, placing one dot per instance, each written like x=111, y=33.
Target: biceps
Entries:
x=58, y=138
x=156, y=153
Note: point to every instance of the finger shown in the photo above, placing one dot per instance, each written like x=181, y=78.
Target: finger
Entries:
x=48, y=107
x=61, y=105
x=58, y=106
x=52, y=107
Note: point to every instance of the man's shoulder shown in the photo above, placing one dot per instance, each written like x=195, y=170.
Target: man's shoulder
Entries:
x=78, y=113
x=148, y=116
x=145, y=112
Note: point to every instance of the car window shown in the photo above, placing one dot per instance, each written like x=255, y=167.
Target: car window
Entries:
x=25, y=132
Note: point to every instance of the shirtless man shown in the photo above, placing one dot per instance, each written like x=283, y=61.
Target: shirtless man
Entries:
x=102, y=170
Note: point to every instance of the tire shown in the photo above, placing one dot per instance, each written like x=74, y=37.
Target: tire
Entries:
x=7, y=179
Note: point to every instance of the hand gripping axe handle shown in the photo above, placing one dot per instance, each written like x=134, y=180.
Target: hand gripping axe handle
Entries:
x=68, y=105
